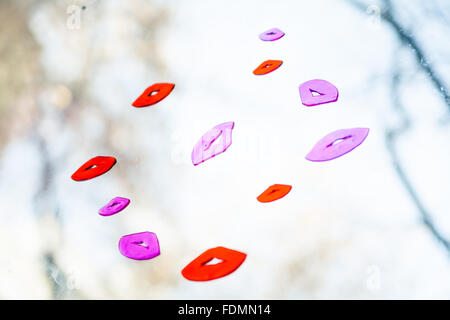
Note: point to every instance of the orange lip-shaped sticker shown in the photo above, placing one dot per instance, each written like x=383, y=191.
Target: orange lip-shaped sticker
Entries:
x=267, y=66
x=153, y=94
x=93, y=168
x=200, y=270
x=275, y=192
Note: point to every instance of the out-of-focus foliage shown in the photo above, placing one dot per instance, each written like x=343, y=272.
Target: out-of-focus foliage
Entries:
x=19, y=70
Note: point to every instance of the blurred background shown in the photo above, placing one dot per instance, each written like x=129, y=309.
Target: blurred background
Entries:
x=372, y=224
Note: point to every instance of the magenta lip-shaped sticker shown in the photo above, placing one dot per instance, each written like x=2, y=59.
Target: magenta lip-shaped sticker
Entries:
x=271, y=34
x=139, y=246
x=212, y=143
x=314, y=92
x=337, y=143
x=114, y=206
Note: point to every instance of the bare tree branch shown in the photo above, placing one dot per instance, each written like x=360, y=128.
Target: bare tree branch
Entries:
x=407, y=38
x=392, y=135
x=391, y=138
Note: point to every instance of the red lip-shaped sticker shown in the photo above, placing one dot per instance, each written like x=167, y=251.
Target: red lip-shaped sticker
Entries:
x=200, y=270
x=93, y=168
x=153, y=94
x=337, y=143
x=267, y=66
x=275, y=192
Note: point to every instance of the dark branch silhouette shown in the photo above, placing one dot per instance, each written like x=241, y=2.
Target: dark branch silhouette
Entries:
x=408, y=39
x=391, y=137
x=392, y=134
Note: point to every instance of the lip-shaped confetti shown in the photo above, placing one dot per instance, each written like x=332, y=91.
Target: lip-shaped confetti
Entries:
x=93, y=168
x=315, y=92
x=214, y=142
x=274, y=192
x=200, y=270
x=139, y=246
x=114, y=206
x=271, y=34
x=153, y=94
x=337, y=143
x=267, y=66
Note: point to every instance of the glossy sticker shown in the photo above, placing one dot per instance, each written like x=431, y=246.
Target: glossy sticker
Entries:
x=337, y=143
x=139, y=246
x=153, y=94
x=200, y=270
x=267, y=66
x=93, y=168
x=114, y=206
x=317, y=91
x=271, y=34
x=214, y=142
x=274, y=192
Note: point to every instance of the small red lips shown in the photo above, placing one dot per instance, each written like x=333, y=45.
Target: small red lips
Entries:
x=199, y=270
x=275, y=192
x=93, y=168
x=267, y=66
x=153, y=94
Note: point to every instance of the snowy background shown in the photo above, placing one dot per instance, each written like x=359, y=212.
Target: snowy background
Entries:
x=374, y=223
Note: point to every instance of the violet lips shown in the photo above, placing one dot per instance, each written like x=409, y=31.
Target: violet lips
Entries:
x=139, y=246
x=337, y=143
x=214, y=142
x=114, y=206
x=317, y=91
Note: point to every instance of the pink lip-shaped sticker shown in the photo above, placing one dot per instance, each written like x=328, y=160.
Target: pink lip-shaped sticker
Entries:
x=337, y=143
x=212, y=143
x=139, y=246
x=114, y=206
x=271, y=34
x=314, y=92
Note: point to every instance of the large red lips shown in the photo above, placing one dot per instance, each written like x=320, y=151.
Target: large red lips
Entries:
x=199, y=270
x=153, y=94
x=93, y=168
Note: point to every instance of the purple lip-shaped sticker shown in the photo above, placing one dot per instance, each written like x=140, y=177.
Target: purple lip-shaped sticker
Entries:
x=139, y=246
x=212, y=143
x=337, y=143
x=114, y=206
x=314, y=92
x=271, y=34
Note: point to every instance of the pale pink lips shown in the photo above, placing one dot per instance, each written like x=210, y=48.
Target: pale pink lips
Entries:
x=325, y=92
x=214, y=142
x=337, y=143
x=271, y=34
